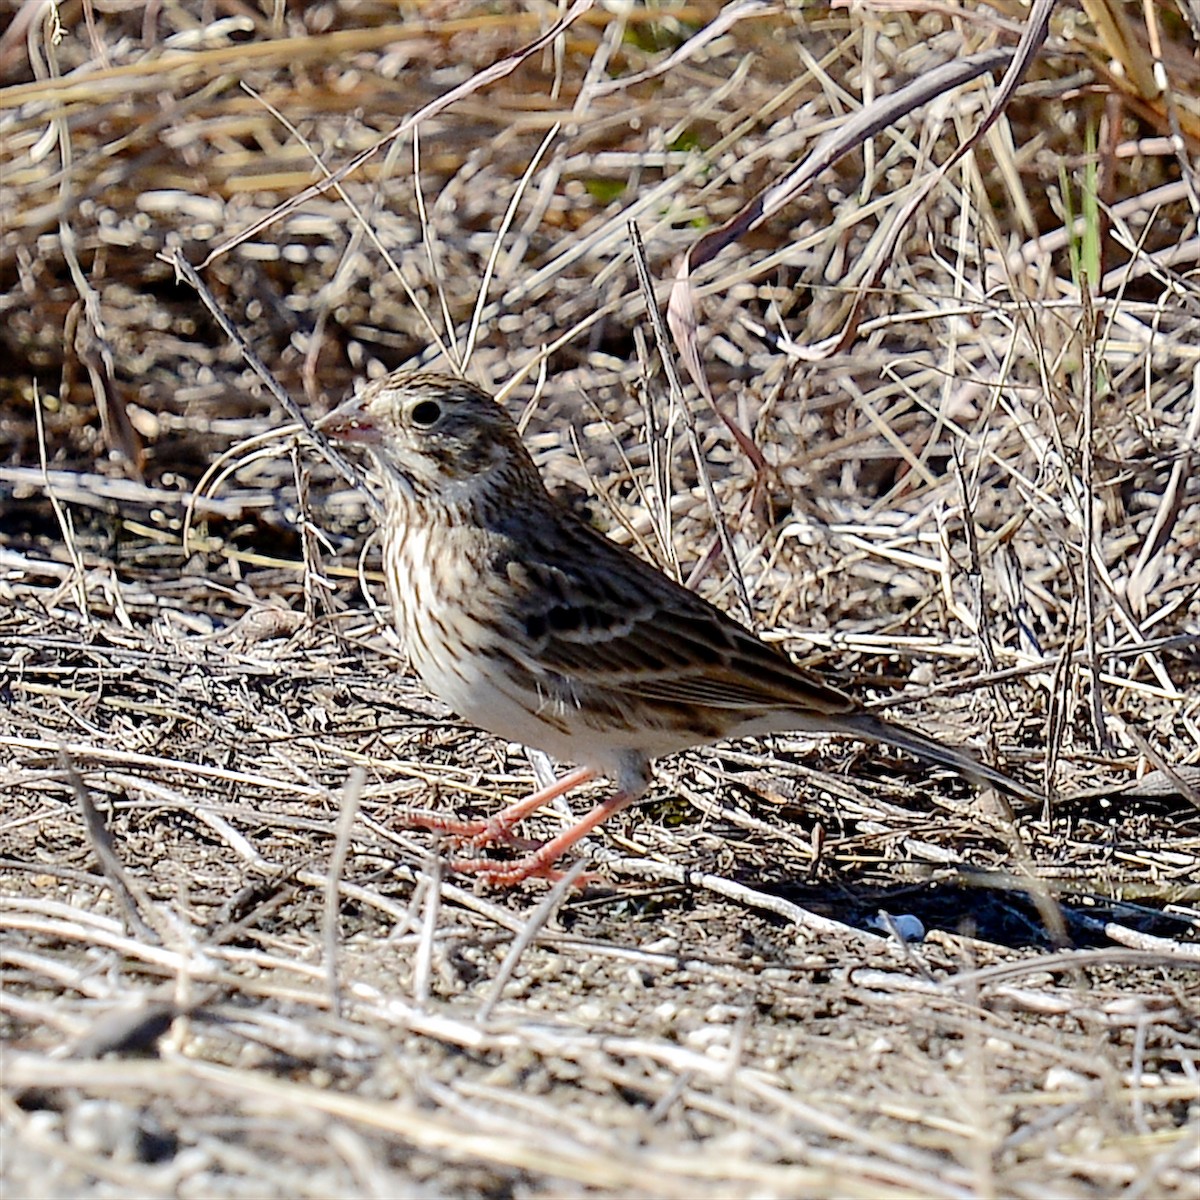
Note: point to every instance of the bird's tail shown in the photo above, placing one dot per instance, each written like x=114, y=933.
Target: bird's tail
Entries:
x=957, y=758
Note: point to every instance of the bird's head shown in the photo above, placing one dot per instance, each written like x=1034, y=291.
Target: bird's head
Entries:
x=434, y=436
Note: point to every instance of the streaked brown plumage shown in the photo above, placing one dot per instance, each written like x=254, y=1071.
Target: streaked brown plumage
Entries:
x=541, y=631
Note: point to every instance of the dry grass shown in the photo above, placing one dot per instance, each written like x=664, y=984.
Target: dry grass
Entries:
x=228, y=968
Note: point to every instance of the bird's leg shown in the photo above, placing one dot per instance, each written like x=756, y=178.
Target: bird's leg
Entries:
x=488, y=830
x=542, y=860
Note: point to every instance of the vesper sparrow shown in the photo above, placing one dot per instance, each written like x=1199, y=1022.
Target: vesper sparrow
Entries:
x=541, y=631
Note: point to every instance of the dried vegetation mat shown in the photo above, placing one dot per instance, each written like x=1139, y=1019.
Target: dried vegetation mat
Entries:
x=931, y=271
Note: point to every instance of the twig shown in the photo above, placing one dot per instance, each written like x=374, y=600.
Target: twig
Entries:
x=125, y=891
x=351, y=796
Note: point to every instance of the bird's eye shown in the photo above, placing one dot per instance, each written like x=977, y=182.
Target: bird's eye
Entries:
x=425, y=413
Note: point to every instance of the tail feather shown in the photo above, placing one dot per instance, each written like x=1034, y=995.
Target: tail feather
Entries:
x=957, y=758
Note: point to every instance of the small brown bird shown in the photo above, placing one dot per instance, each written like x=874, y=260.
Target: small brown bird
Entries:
x=541, y=631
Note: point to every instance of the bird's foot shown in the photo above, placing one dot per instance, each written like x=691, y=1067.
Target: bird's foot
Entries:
x=496, y=873
x=484, y=831
x=541, y=861
x=497, y=829
x=490, y=831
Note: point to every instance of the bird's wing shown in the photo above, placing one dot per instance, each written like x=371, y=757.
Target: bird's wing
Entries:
x=600, y=625
x=596, y=613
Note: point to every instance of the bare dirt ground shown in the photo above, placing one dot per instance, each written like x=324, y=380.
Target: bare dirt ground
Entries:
x=228, y=967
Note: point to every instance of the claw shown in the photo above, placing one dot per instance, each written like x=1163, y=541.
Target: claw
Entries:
x=508, y=874
x=488, y=832
x=499, y=828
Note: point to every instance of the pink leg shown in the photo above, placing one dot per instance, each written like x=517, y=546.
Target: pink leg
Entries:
x=541, y=860
x=499, y=828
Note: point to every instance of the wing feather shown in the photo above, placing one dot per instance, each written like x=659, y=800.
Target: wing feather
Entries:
x=598, y=614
